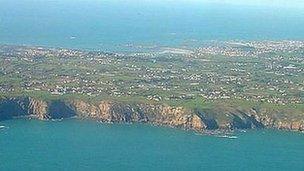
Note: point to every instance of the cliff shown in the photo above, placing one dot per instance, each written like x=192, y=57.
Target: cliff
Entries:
x=213, y=118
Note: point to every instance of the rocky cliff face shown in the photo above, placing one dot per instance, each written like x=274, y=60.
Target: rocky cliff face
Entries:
x=235, y=118
x=38, y=109
x=109, y=111
x=156, y=114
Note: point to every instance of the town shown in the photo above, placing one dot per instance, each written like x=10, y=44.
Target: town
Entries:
x=266, y=71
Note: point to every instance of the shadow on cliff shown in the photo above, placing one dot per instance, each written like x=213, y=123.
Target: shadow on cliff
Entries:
x=59, y=109
x=242, y=120
x=12, y=108
x=209, y=121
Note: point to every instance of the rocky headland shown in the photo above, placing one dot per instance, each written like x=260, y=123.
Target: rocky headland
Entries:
x=198, y=119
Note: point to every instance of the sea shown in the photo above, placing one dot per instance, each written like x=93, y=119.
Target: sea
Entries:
x=124, y=25
x=89, y=145
x=139, y=25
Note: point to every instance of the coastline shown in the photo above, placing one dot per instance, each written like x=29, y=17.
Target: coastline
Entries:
x=154, y=114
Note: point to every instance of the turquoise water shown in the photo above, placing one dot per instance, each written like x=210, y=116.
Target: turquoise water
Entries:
x=89, y=145
x=112, y=24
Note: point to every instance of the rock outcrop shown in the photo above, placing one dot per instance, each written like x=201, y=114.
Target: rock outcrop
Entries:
x=217, y=117
x=155, y=114
x=38, y=109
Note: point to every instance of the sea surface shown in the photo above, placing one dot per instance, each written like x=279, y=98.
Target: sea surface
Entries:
x=88, y=145
x=118, y=25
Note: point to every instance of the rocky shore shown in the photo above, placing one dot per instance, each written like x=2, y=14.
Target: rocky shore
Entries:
x=200, y=120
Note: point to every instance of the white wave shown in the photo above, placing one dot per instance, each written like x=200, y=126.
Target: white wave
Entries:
x=226, y=136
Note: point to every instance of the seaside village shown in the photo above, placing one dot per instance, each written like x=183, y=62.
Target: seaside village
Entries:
x=270, y=72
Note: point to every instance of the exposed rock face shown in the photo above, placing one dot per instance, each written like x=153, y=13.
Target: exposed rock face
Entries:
x=109, y=111
x=233, y=118
x=38, y=109
x=155, y=114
